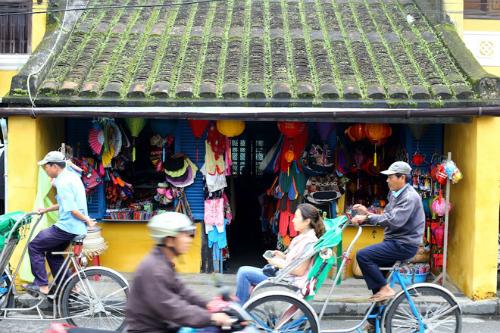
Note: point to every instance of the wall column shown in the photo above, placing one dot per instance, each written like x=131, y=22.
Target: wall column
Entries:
x=473, y=247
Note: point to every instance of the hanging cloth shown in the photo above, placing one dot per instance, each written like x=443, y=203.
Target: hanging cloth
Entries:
x=42, y=200
x=213, y=164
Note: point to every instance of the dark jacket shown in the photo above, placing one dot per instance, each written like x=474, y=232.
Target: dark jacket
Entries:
x=403, y=217
x=159, y=302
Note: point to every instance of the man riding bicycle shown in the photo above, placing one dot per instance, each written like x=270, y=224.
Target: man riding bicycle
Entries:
x=73, y=221
x=404, y=221
x=159, y=302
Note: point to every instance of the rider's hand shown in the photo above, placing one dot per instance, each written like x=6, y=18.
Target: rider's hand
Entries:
x=221, y=319
x=359, y=219
x=360, y=209
x=41, y=210
x=91, y=223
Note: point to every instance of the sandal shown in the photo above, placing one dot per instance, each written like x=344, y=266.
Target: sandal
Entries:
x=33, y=288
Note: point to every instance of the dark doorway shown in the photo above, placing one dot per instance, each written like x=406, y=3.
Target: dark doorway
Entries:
x=246, y=239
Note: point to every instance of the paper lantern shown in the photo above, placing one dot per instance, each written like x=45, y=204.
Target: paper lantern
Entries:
x=198, y=127
x=355, y=132
x=291, y=129
x=377, y=133
x=230, y=128
x=135, y=126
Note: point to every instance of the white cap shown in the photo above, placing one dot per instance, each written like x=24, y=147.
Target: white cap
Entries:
x=398, y=167
x=53, y=157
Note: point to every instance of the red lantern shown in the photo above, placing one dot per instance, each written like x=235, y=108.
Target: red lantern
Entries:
x=198, y=127
x=356, y=132
x=418, y=159
x=377, y=133
x=441, y=175
x=291, y=129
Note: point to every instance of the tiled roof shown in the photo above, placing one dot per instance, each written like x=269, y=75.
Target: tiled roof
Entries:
x=317, y=50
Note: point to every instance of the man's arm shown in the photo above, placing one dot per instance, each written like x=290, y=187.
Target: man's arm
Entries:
x=52, y=208
x=85, y=219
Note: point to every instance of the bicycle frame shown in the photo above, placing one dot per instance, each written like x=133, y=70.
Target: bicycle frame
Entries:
x=70, y=259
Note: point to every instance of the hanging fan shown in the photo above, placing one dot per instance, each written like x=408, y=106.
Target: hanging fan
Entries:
x=116, y=136
x=96, y=139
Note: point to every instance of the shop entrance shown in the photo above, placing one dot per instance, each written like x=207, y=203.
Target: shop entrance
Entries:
x=246, y=238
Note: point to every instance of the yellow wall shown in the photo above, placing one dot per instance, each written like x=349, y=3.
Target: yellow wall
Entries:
x=38, y=25
x=130, y=242
x=483, y=25
x=474, y=221
x=5, y=79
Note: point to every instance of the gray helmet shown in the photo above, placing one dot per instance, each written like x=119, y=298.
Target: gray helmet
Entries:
x=169, y=224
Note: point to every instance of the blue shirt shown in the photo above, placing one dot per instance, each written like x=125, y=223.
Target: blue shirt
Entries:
x=71, y=196
x=398, y=192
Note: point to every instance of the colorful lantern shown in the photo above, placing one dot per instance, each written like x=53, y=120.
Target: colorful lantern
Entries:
x=135, y=126
x=291, y=129
x=289, y=156
x=439, y=205
x=441, y=175
x=356, y=132
x=377, y=134
x=230, y=128
x=418, y=159
x=198, y=127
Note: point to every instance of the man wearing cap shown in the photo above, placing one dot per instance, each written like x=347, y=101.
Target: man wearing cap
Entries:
x=404, y=222
x=73, y=221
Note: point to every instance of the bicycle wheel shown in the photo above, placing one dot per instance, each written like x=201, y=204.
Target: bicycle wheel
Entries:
x=282, y=313
x=96, y=299
x=6, y=298
x=439, y=311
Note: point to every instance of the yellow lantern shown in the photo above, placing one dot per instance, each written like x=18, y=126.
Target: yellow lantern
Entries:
x=230, y=128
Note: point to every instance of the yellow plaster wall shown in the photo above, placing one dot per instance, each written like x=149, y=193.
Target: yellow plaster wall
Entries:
x=38, y=24
x=472, y=255
x=5, y=79
x=129, y=243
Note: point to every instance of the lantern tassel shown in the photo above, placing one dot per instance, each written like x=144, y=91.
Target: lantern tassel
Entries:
x=133, y=149
x=375, y=157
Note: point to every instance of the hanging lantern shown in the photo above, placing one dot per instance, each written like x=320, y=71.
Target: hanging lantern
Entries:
x=377, y=134
x=230, y=128
x=439, y=205
x=198, y=127
x=418, y=159
x=135, y=126
x=441, y=175
x=291, y=129
x=289, y=156
x=324, y=130
x=356, y=132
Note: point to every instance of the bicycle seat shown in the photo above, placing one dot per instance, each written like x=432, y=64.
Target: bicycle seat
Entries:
x=78, y=238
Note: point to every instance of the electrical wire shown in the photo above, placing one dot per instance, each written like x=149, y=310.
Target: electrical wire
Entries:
x=109, y=7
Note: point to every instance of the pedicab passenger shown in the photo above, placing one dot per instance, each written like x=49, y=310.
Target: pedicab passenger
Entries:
x=159, y=302
x=73, y=221
x=309, y=225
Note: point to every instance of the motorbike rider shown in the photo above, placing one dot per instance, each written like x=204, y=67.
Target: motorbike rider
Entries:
x=159, y=302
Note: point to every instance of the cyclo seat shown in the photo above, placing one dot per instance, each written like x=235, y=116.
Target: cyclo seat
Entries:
x=78, y=239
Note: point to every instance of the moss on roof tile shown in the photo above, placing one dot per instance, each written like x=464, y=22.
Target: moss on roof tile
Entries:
x=317, y=50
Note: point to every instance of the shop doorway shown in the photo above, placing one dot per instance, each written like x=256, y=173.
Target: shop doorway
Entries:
x=247, y=241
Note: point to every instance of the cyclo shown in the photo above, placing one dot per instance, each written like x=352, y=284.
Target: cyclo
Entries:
x=91, y=297
x=278, y=306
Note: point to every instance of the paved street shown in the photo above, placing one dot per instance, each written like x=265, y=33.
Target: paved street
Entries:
x=471, y=324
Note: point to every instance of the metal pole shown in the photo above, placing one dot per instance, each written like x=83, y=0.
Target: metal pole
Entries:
x=3, y=125
x=446, y=220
